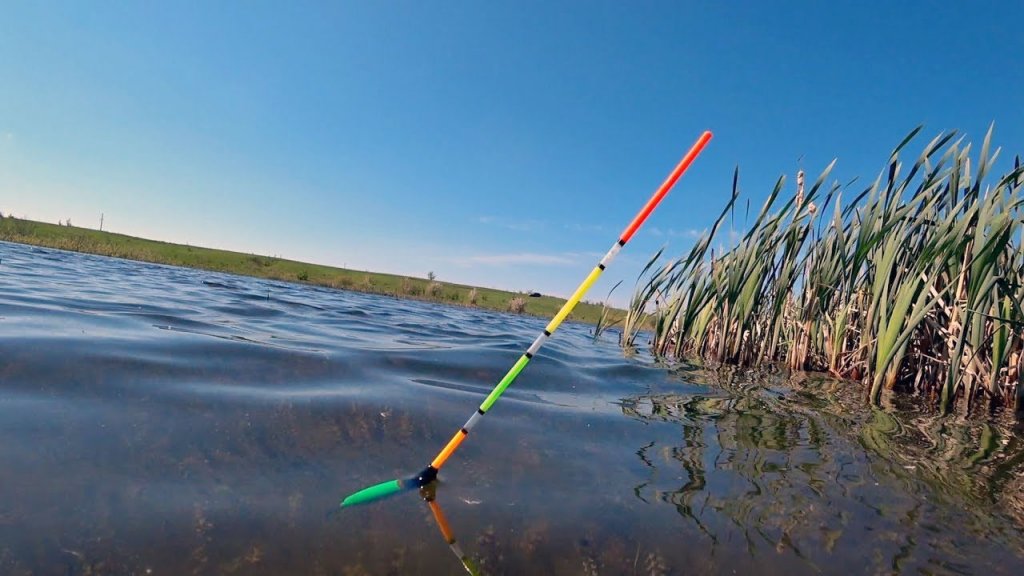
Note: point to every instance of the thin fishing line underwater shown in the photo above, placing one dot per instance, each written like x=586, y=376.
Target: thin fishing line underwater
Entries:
x=429, y=474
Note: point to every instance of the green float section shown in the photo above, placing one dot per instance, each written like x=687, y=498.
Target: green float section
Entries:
x=373, y=493
x=508, y=379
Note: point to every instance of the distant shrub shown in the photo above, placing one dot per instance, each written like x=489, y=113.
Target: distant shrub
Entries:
x=262, y=261
x=431, y=276
x=303, y=276
x=517, y=305
x=12, y=228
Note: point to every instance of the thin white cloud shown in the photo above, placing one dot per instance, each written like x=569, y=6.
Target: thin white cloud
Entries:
x=516, y=225
x=576, y=227
x=525, y=225
x=532, y=225
x=691, y=233
x=515, y=258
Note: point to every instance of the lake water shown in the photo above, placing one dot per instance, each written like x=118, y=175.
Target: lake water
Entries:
x=157, y=420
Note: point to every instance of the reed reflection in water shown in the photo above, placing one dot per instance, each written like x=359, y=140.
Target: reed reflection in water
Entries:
x=802, y=466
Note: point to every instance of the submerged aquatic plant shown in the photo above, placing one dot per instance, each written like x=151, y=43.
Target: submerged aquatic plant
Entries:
x=916, y=283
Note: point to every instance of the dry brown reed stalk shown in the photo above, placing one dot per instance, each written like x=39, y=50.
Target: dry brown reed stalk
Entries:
x=517, y=305
x=472, y=296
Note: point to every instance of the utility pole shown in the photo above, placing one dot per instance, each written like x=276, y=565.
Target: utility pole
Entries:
x=101, y=221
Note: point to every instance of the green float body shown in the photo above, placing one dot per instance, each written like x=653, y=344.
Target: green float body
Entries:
x=389, y=488
x=375, y=492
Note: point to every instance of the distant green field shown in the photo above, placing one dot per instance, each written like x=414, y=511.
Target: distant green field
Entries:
x=132, y=248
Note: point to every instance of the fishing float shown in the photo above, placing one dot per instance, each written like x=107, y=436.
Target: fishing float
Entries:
x=429, y=474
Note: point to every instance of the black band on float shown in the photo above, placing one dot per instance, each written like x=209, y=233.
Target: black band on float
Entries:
x=428, y=475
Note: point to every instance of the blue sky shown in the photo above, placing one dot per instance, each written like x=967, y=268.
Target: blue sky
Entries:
x=498, y=145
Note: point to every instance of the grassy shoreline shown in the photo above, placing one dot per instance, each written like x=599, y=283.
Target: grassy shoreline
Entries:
x=91, y=241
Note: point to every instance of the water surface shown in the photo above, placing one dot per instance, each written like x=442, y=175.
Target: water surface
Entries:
x=171, y=421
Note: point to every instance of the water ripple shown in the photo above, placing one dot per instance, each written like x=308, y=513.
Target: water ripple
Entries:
x=179, y=421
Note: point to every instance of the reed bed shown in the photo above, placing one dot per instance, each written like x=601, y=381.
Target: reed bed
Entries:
x=914, y=284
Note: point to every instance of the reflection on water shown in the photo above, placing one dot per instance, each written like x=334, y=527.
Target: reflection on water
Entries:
x=182, y=422
x=802, y=467
x=429, y=495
